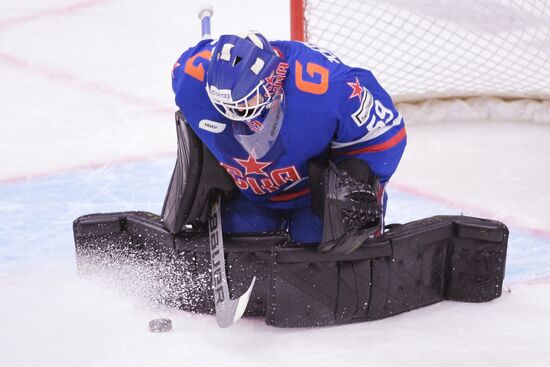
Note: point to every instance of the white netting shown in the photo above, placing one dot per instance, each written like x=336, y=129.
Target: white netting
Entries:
x=425, y=49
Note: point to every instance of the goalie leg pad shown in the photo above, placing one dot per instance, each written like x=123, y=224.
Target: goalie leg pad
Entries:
x=420, y=263
x=413, y=265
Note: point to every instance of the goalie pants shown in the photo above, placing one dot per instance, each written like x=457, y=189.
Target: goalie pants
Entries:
x=242, y=215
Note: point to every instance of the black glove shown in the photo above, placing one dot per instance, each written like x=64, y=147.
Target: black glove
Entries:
x=351, y=211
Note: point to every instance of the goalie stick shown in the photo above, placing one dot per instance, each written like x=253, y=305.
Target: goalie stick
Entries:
x=228, y=311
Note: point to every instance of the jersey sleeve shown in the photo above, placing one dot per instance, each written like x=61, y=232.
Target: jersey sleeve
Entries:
x=369, y=126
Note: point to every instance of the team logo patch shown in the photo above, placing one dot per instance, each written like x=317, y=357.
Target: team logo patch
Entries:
x=362, y=114
x=258, y=178
x=252, y=166
x=356, y=89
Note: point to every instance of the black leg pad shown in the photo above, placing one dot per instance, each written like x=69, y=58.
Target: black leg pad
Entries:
x=411, y=266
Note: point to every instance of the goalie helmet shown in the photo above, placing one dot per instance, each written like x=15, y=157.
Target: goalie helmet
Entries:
x=240, y=76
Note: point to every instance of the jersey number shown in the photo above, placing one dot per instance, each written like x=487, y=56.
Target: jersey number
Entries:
x=382, y=117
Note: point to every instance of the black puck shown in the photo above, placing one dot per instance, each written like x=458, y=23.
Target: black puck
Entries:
x=160, y=325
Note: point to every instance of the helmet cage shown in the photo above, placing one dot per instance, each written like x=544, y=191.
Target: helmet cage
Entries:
x=250, y=106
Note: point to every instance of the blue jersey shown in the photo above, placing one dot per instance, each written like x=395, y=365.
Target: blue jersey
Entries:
x=330, y=109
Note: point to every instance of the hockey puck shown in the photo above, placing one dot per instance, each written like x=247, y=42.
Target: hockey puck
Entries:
x=160, y=325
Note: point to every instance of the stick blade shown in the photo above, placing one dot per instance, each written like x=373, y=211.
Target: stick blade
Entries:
x=229, y=312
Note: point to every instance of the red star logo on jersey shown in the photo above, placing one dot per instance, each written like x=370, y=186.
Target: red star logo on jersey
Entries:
x=251, y=166
x=356, y=89
x=174, y=67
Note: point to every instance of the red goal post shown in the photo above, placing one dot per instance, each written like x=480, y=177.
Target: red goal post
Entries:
x=426, y=49
x=297, y=28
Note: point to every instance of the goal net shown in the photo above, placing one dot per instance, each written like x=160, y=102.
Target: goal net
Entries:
x=424, y=49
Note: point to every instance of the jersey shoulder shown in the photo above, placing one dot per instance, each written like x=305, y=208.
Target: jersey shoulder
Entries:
x=298, y=50
x=202, y=50
x=189, y=72
x=313, y=75
x=320, y=58
x=314, y=59
x=364, y=112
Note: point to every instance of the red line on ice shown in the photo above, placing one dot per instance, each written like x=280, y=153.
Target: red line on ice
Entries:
x=87, y=86
x=508, y=220
x=64, y=77
x=87, y=166
x=49, y=13
x=72, y=80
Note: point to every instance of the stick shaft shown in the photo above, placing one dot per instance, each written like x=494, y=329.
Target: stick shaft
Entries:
x=205, y=14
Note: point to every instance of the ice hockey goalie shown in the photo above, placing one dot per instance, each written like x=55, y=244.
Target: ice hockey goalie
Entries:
x=299, y=147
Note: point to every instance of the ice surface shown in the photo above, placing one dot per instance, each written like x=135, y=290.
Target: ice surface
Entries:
x=86, y=125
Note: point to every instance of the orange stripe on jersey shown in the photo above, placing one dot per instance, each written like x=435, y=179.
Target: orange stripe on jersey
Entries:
x=290, y=196
x=393, y=141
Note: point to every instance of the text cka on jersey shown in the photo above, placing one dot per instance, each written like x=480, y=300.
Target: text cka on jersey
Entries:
x=258, y=178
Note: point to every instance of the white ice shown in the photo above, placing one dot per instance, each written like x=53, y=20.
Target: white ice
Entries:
x=86, y=125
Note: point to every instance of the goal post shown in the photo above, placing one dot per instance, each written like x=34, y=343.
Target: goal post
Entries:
x=426, y=49
x=297, y=20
